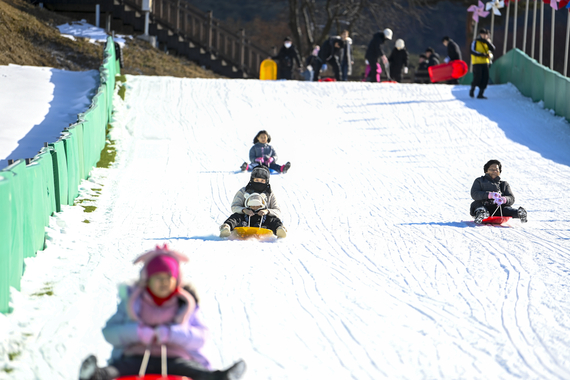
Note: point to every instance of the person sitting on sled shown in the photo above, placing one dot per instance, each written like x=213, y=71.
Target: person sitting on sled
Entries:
x=255, y=205
x=261, y=153
x=490, y=193
x=157, y=311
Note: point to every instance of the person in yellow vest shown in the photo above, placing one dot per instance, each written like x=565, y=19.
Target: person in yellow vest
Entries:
x=481, y=54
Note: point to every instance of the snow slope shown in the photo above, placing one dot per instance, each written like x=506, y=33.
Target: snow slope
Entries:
x=36, y=104
x=381, y=275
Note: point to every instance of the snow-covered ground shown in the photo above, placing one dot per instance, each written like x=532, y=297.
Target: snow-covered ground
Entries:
x=83, y=29
x=36, y=104
x=382, y=276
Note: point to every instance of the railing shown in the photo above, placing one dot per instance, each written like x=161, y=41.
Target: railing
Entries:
x=203, y=30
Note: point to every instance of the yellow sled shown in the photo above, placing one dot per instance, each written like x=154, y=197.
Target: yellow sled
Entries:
x=268, y=70
x=252, y=232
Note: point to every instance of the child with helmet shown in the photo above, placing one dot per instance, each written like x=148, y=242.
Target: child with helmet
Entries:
x=255, y=205
x=399, y=60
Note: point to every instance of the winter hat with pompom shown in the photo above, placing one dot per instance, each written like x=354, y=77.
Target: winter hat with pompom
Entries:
x=160, y=259
x=163, y=263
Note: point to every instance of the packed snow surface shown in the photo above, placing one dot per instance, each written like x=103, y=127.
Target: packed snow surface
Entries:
x=382, y=275
x=36, y=104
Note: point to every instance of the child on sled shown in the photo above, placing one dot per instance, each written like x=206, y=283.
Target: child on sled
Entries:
x=261, y=153
x=158, y=311
x=255, y=205
x=492, y=196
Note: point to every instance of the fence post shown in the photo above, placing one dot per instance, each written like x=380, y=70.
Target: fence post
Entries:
x=97, y=14
x=209, y=30
x=242, y=48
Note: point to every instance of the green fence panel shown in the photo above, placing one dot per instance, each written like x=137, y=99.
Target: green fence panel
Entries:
x=5, y=239
x=46, y=162
x=526, y=79
x=560, y=95
x=537, y=75
x=17, y=172
x=567, y=100
x=549, y=90
x=59, y=173
x=32, y=208
x=70, y=143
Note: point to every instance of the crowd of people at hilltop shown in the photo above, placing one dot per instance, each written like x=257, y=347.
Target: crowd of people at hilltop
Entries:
x=336, y=52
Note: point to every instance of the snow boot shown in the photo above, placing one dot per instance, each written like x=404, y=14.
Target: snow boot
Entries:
x=472, y=92
x=244, y=166
x=281, y=232
x=225, y=230
x=481, y=96
x=522, y=215
x=235, y=372
x=285, y=167
x=88, y=368
x=480, y=214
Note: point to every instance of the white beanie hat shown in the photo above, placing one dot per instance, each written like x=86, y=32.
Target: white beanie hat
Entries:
x=388, y=33
x=255, y=199
x=400, y=44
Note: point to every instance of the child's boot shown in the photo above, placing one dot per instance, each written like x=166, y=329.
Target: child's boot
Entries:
x=244, y=166
x=480, y=214
x=522, y=214
x=235, y=372
x=281, y=232
x=285, y=167
x=88, y=368
x=225, y=230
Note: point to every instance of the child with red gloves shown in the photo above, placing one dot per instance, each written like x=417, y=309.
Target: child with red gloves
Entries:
x=158, y=311
x=489, y=193
x=261, y=153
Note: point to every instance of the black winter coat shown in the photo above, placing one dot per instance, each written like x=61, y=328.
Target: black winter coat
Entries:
x=398, y=59
x=433, y=59
x=374, y=50
x=453, y=51
x=328, y=50
x=286, y=56
x=485, y=185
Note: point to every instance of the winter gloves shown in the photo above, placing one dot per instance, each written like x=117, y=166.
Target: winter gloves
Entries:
x=497, y=198
x=264, y=160
x=148, y=334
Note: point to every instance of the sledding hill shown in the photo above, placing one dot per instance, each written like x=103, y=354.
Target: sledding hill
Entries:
x=381, y=275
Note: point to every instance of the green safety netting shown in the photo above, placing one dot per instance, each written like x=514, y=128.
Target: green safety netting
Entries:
x=30, y=193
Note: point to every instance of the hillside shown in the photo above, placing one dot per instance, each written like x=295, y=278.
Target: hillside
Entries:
x=28, y=36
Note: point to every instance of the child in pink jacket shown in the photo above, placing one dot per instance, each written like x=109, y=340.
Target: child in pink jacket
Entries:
x=158, y=311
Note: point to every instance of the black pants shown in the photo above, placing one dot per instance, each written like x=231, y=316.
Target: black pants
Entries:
x=284, y=72
x=130, y=365
x=270, y=222
x=507, y=210
x=333, y=62
x=480, y=76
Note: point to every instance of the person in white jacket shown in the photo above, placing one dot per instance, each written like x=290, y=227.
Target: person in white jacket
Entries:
x=255, y=205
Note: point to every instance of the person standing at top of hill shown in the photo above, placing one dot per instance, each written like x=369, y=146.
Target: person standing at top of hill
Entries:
x=329, y=53
x=453, y=51
x=261, y=153
x=285, y=59
x=432, y=57
x=490, y=193
x=481, y=52
x=374, y=51
x=346, y=59
x=453, y=54
x=399, y=60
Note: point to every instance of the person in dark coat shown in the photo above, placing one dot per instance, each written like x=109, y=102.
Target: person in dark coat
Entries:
x=285, y=58
x=432, y=57
x=481, y=53
x=399, y=60
x=492, y=196
x=329, y=53
x=312, y=62
x=346, y=61
x=453, y=51
x=422, y=75
x=453, y=54
x=374, y=51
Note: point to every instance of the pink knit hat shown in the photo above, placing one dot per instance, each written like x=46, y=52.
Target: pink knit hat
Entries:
x=160, y=259
x=163, y=263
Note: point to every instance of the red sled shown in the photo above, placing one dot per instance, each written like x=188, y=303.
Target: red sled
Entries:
x=496, y=219
x=153, y=377
x=327, y=80
x=447, y=71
